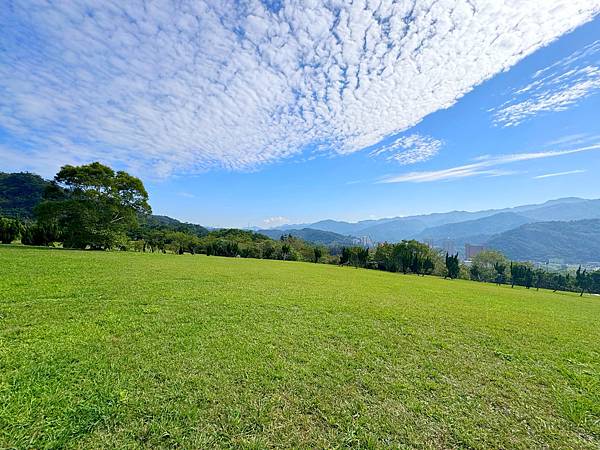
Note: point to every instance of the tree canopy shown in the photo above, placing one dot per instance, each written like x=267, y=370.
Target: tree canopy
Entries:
x=93, y=205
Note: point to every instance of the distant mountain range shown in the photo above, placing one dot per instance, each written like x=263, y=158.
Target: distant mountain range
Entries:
x=460, y=224
x=562, y=229
x=328, y=238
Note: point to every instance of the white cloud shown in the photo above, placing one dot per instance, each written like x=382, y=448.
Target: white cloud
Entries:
x=409, y=149
x=484, y=165
x=555, y=88
x=275, y=221
x=183, y=87
x=573, y=139
x=558, y=174
x=186, y=195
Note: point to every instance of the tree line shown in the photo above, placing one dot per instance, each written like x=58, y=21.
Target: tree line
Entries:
x=493, y=267
x=93, y=207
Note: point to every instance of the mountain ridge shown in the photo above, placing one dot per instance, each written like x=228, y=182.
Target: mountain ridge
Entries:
x=415, y=226
x=575, y=241
x=327, y=238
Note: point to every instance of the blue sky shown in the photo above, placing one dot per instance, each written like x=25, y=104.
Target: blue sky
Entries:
x=289, y=112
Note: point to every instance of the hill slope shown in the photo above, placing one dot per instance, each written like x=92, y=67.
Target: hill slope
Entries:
x=168, y=223
x=575, y=241
x=128, y=350
x=20, y=193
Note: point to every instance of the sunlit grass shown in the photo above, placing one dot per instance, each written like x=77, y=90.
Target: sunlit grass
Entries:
x=141, y=350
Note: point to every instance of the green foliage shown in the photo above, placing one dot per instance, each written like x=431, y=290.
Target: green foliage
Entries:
x=40, y=234
x=10, y=229
x=286, y=251
x=428, y=266
x=180, y=242
x=583, y=280
x=406, y=256
x=20, y=193
x=152, y=222
x=359, y=256
x=225, y=242
x=521, y=274
x=560, y=282
x=354, y=256
x=499, y=272
x=234, y=242
x=452, y=266
x=297, y=249
x=93, y=206
x=237, y=235
x=318, y=253
x=222, y=247
x=488, y=266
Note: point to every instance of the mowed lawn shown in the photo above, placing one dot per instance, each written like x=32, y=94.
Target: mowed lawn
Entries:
x=102, y=349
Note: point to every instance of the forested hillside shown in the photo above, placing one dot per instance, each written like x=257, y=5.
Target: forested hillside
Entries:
x=20, y=193
x=168, y=223
x=574, y=241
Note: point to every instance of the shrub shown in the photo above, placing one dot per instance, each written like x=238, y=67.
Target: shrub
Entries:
x=40, y=234
x=10, y=229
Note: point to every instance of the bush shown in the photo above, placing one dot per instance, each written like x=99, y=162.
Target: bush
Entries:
x=40, y=234
x=10, y=229
x=488, y=266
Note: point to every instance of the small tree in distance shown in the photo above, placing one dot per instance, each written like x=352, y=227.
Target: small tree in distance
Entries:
x=582, y=280
x=500, y=269
x=428, y=266
x=452, y=266
x=318, y=253
x=285, y=251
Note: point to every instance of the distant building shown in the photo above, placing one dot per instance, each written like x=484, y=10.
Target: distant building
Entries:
x=471, y=251
x=448, y=246
x=364, y=241
x=429, y=243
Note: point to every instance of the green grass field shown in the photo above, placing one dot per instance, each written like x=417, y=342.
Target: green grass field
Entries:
x=149, y=350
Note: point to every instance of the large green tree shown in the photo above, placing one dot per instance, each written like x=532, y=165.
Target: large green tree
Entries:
x=93, y=205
